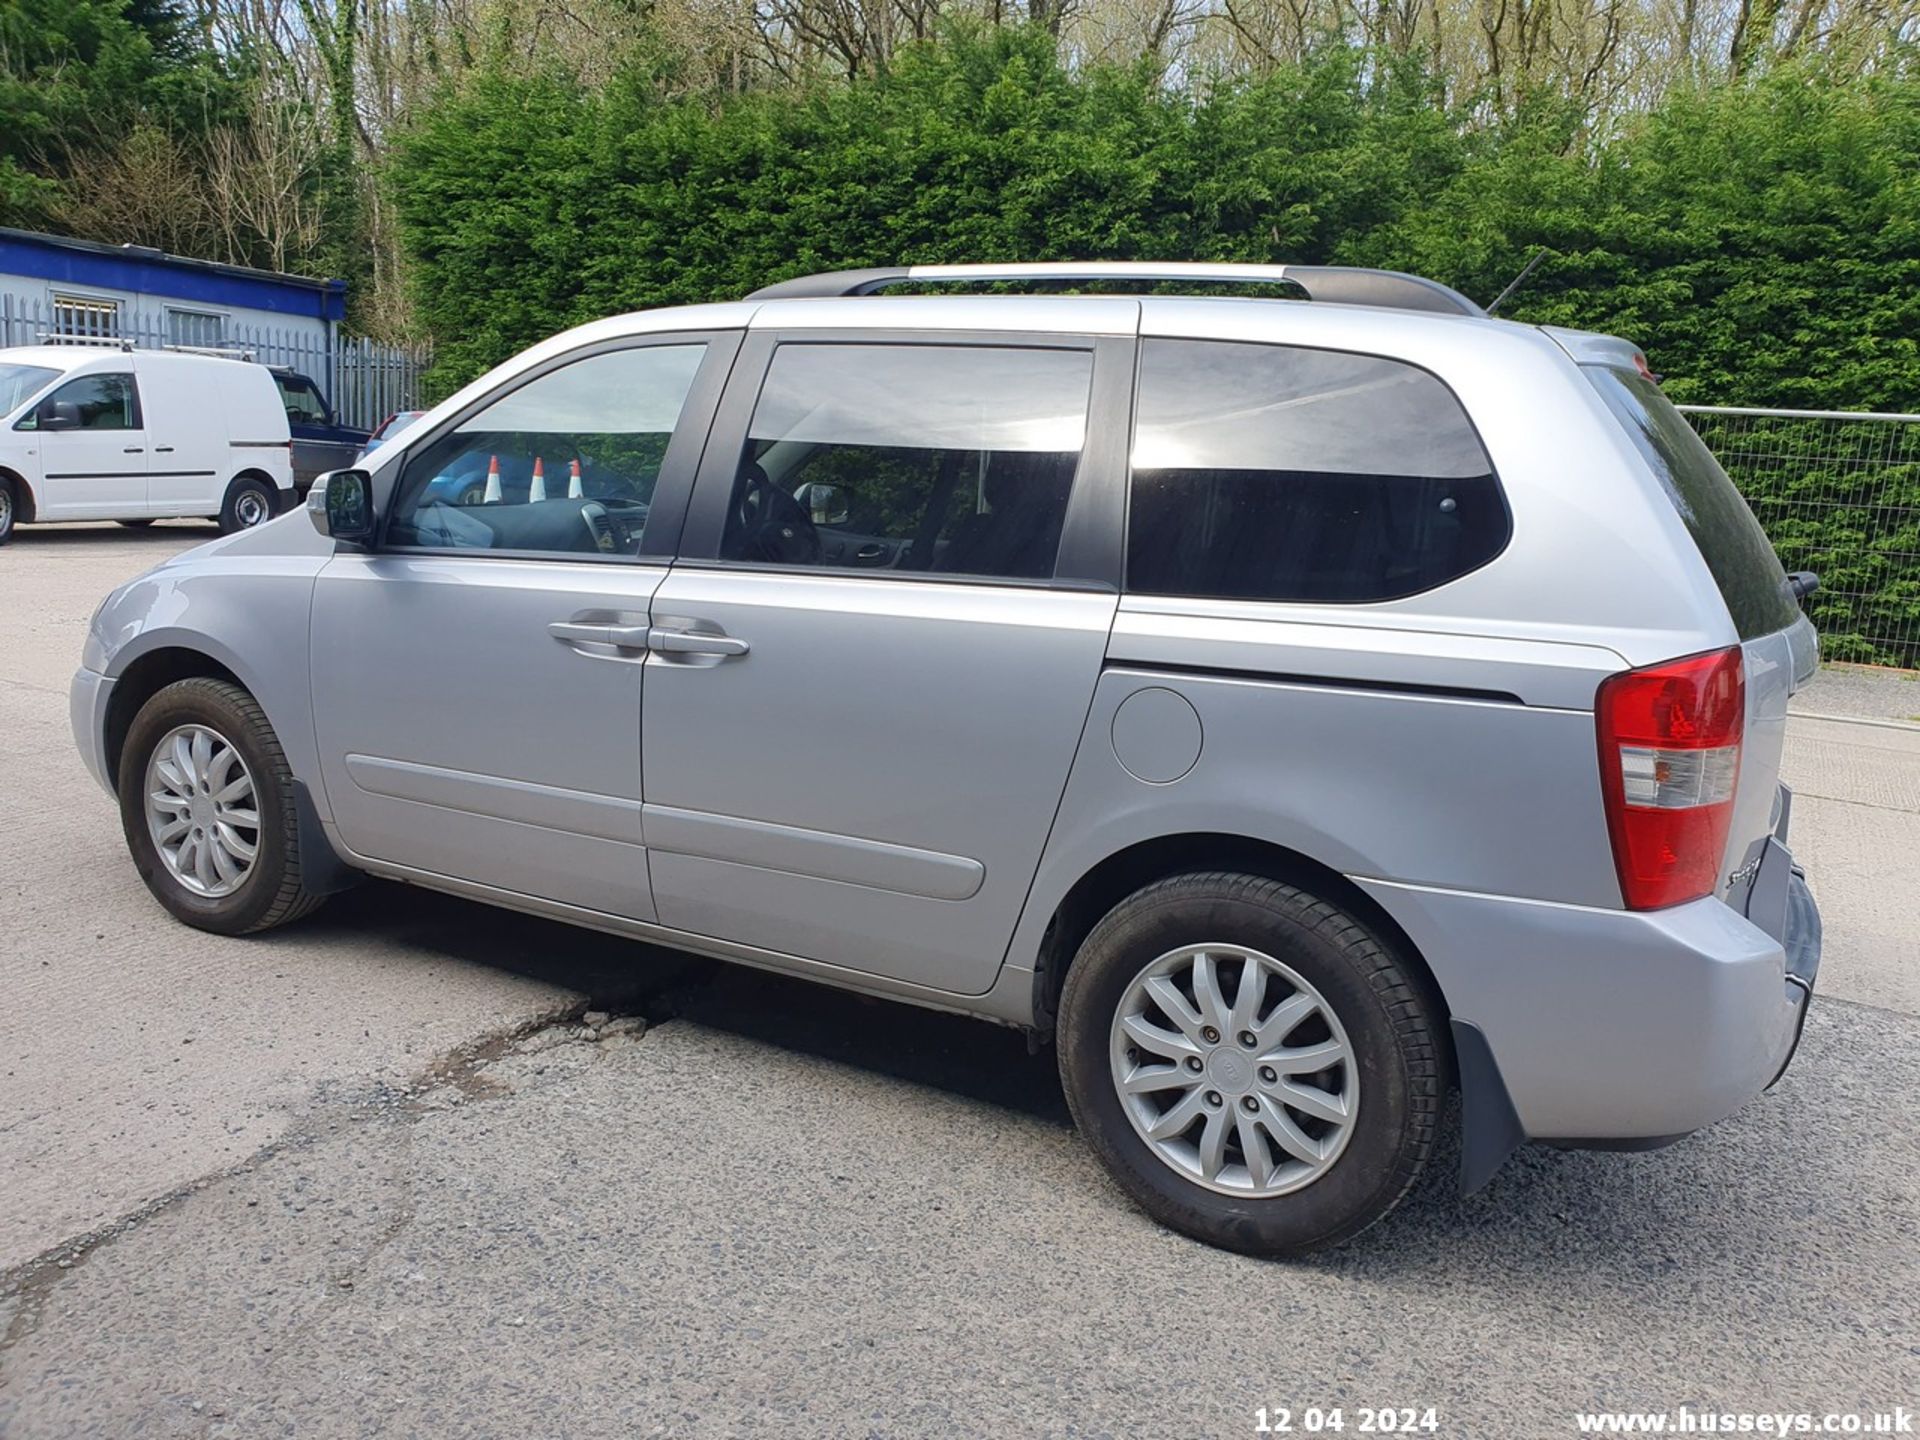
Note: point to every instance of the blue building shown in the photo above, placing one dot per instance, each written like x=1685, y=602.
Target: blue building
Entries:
x=52, y=286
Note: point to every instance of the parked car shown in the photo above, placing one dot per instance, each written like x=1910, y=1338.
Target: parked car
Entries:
x=385, y=431
x=1290, y=708
x=99, y=433
x=320, y=442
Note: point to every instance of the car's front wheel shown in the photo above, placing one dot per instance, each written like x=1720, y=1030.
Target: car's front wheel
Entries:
x=207, y=804
x=1255, y=1068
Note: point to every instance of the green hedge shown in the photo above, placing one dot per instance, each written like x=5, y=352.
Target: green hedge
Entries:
x=1761, y=241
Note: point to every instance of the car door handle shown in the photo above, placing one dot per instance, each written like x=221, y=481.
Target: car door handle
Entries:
x=133, y=450
x=621, y=637
x=163, y=449
x=695, y=642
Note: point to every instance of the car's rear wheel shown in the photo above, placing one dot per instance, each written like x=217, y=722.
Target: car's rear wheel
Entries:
x=208, y=808
x=250, y=502
x=1255, y=1068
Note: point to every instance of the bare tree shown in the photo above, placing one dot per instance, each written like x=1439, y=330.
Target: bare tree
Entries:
x=261, y=186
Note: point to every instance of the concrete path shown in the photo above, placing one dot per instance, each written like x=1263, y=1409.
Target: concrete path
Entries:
x=138, y=1055
x=1856, y=828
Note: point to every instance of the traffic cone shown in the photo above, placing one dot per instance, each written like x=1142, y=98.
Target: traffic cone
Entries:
x=492, y=495
x=537, y=487
x=574, y=492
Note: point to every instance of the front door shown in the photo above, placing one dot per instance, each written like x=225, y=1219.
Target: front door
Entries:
x=477, y=677
x=879, y=647
x=92, y=443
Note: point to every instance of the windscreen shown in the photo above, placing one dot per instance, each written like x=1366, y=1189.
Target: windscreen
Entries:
x=18, y=382
x=1731, y=541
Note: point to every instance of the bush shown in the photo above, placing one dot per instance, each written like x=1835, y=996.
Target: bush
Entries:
x=1760, y=241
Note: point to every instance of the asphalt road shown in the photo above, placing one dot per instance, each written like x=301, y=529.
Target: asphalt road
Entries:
x=371, y=1176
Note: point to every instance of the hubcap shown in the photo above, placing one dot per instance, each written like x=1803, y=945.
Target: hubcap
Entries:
x=6, y=508
x=202, y=811
x=1248, y=1119
x=250, y=509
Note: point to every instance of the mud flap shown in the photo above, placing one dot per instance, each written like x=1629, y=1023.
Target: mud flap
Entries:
x=1489, y=1127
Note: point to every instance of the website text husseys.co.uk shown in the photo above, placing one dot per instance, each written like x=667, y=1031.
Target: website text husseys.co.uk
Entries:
x=1898, y=1421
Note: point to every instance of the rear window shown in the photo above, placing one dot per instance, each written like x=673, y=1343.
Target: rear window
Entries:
x=302, y=401
x=1270, y=472
x=1731, y=541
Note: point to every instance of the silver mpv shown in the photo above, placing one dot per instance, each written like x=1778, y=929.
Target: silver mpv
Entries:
x=1292, y=709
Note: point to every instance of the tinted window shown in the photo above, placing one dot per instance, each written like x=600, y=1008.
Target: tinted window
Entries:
x=1731, y=541
x=566, y=463
x=1263, y=472
x=944, y=458
x=96, y=402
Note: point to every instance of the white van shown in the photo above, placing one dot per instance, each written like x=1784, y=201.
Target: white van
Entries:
x=91, y=433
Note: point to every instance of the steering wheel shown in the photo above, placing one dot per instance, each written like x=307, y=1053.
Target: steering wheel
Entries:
x=770, y=525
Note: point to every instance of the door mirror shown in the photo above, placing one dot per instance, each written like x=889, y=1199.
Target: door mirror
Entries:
x=824, y=504
x=60, y=415
x=341, y=505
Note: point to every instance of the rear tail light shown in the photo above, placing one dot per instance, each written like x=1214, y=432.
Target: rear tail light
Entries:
x=1669, y=764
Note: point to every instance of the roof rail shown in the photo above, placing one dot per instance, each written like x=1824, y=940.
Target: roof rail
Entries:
x=60, y=337
x=218, y=352
x=1331, y=284
x=128, y=345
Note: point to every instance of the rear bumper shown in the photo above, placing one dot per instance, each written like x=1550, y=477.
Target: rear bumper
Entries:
x=1801, y=940
x=1621, y=1028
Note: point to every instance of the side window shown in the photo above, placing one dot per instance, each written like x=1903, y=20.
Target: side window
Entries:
x=955, y=459
x=564, y=464
x=303, y=402
x=93, y=402
x=1266, y=472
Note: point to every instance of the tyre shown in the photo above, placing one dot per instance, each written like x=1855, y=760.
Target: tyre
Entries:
x=135, y=524
x=7, y=508
x=1251, y=1064
x=250, y=502
x=207, y=805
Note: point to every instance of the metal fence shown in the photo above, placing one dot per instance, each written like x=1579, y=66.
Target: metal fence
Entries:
x=364, y=381
x=1838, y=493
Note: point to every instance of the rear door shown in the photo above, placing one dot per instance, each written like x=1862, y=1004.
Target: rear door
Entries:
x=186, y=412
x=1779, y=649
x=874, y=657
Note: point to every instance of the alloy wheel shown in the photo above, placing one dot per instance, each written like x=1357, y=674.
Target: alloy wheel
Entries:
x=1234, y=1070
x=202, y=810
